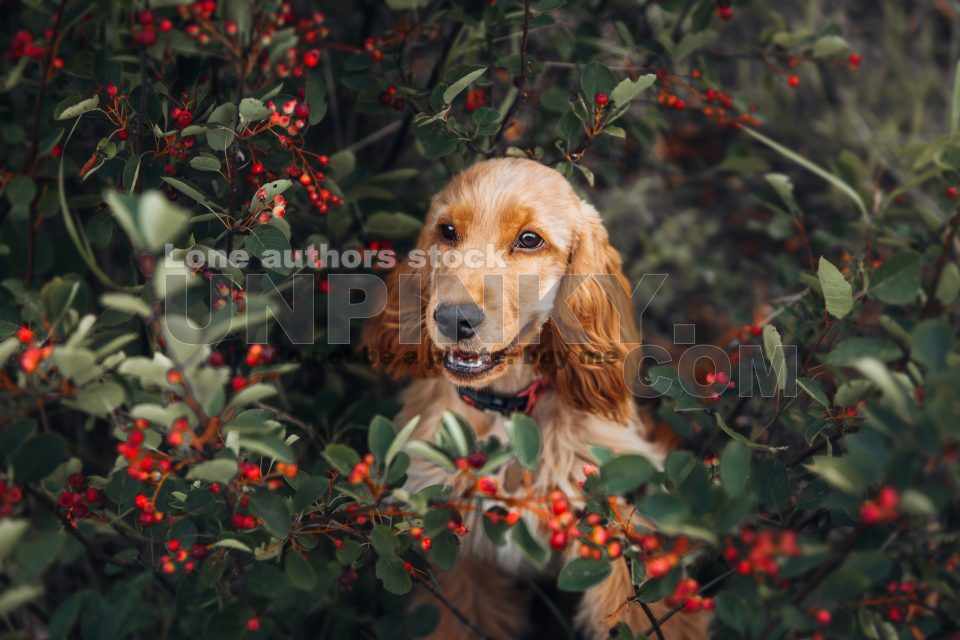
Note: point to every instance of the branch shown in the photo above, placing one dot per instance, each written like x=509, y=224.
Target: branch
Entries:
x=653, y=620
x=454, y=610
x=675, y=610
x=521, y=81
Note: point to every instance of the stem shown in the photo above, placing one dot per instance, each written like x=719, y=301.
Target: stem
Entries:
x=521, y=81
x=653, y=620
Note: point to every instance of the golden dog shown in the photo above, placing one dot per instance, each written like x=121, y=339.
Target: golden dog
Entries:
x=522, y=306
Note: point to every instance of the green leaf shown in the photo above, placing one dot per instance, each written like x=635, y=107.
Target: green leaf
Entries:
x=392, y=225
x=205, y=162
x=252, y=394
x=897, y=281
x=192, y=192
x=443, y=553
x=830, y=46
x=99, y=399
x=316, y=94
x=151, y=220
x=813, y=389
x=429, y=452
x=852, y=349
x=837, y=292
x=10, y=533
x=930, y=342
x=839, y=472
x=232, y=543
x=380, y=437
x=626, y=473
x=268, y=244
x=773, y=349
x=394, y=577
x=401, y=440
x=299, y=571
x=38, y=457
x=80, y=108
x=735, y=468
x=627, y=89
x=267, y=445
x=812, y=167
x=528, y=545
x=252, y=110
x=272, y=509
x=126, y=303
x=15, y=597
x=220, y=470
x=739, y=437
x=221, y=125
x=341, y=457
x=596, y=78
x=582, y=573
x=948, y=287
x=486, y=120
x=342, y=164
x=524, y=437
x=457, y=87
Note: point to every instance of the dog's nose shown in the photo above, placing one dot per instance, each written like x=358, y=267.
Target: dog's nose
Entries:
x=458, y=321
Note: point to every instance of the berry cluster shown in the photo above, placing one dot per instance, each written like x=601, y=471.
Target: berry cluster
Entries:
x=685, y=595
x=78, y=498
x=148, y=513
x=10, y=496
x=244, y=521
x=658, y=561
x=361, y=470
x=179, y=557
x=23, y=45
x=142, y=464
x=760, y=551
x=882, y=509
x=389, y=98
x=33, y=355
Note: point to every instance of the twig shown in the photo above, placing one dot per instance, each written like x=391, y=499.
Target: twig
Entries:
x=454, y=610
x=521, y=81
x=653, y=620
x=677, y=609
x=933, y=305
x=394, y=154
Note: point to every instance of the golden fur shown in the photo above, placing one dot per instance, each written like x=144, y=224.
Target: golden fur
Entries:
x=588, y=402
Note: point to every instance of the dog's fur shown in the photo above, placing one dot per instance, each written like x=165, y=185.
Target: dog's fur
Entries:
x=588, y=401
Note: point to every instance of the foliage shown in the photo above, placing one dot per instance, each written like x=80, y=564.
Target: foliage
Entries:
x=180, y=464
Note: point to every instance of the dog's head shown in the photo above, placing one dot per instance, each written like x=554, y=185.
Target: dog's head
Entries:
x=511, y=265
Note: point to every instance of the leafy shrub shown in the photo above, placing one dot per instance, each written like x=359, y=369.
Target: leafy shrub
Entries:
x=180, y=464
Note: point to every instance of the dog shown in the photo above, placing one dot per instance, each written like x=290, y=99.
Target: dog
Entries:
x=542, y=324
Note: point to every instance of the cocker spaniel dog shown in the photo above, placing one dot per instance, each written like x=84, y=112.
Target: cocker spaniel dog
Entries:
x=518, y=303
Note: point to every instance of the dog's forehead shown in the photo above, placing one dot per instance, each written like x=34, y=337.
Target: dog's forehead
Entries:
x=506, y=195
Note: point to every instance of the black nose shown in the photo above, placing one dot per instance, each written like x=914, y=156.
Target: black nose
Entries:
x=458, y=321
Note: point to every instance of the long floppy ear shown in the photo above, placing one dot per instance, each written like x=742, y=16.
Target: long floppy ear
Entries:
x=584, y=345
x=396, y=340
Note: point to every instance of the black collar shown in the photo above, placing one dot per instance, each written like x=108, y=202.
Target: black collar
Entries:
x=506, y=404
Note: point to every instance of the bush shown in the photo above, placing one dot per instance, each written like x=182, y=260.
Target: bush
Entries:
x=200, y=465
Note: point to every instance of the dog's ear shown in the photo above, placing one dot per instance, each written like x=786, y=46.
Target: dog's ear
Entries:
x=584, y=346
x=396, y=339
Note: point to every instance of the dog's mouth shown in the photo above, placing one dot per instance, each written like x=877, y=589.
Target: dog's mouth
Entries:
x=472, y=364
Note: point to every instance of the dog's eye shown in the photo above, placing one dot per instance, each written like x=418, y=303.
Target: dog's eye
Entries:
x=528, y=240
x=448, y=232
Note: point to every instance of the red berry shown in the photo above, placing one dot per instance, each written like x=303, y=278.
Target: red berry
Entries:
x=426, y=544
x=311, y=58
x=888, y=498
x=145, y=17
x=870, y=513
x=793, y=80
x=744, y=567
x=122, y=134
x=256, y=168
x=725, y=13
x=253, y=624
x=166, y=25
x=601, y=99
x=558, y=540
x=239, y=383
x=25, y=335
x=216, y=359
x=823, y=617
x=953, y=193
